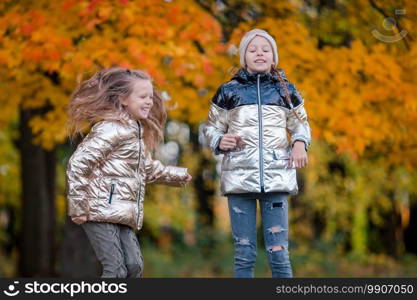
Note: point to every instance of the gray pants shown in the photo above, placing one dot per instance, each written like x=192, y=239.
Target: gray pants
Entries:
x=117, y=249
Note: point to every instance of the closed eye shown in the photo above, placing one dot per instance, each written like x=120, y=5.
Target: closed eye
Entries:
x=145, y=96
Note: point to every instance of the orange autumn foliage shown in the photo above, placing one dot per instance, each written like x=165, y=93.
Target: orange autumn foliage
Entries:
x=46, y=46
x=360, y=97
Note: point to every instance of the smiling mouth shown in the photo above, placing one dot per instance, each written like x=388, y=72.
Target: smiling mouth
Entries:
x=260, y=61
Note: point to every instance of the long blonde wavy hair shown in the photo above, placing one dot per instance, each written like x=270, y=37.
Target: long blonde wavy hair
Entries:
x=100, y=98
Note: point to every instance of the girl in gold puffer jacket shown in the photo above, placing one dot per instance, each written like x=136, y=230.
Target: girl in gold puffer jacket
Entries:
x=107, y=173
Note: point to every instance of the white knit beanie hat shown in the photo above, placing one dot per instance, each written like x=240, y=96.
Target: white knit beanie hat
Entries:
x=248, y=37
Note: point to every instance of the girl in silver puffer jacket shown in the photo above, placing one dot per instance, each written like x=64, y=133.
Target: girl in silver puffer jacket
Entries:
x=107, y=173
x=248, y=122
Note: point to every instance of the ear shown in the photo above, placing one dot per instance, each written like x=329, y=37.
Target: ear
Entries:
x=123, y=101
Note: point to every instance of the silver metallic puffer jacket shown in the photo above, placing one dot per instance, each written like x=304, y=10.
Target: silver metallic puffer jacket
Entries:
x=253, y=106
x=107, y=174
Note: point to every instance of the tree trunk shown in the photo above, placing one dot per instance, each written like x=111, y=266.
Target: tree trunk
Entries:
x=205, y=192
x=77, y=258
x=410, y=240
x=37, y=236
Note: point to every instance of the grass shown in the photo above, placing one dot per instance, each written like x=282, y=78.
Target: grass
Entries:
x=191, y=261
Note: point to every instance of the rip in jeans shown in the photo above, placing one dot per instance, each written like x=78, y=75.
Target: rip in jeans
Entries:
x=275, y=230
x=238, y=210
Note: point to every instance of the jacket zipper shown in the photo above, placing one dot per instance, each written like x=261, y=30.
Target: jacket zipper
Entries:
x=140, y=185
x=111, y=192
x=261, y=154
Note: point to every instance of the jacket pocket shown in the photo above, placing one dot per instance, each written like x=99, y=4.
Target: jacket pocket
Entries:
x=280, y=158
x=234, y=154
x=111, y=192
x=281, y=154
x=236, y=160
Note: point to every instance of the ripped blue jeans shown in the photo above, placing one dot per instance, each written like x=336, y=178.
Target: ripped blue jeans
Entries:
x=274, y=213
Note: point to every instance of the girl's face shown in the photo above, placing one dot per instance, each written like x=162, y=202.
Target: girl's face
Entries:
x=259, y=56
x=140, y=101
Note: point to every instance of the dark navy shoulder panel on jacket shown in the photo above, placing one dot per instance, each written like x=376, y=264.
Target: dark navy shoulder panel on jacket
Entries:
x=219, y=98
x=243, y=90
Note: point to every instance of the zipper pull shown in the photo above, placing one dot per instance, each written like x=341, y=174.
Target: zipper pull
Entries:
x=111, y=192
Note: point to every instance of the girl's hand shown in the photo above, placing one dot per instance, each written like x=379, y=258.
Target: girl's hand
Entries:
x=187, y=179
x=298, y=155
x=79, y=220
x=230, y=141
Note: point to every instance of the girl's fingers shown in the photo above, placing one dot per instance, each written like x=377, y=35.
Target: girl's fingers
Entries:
x=230, y=139
x=231, y=144
x=290, y=162
x=77, y=221
x=239, y=141
x=303, y=162
x=226, y=145
x=299, y=162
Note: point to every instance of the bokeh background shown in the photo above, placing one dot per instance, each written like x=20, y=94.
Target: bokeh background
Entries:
x=354, y=62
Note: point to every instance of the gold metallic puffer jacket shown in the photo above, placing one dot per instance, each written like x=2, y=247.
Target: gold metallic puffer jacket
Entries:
x=253, y=106
x=107, y=174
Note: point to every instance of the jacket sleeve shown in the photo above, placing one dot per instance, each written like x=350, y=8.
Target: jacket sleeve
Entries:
x=300, y=131
x=93, y=150
x=216, y=125
x=157, y=172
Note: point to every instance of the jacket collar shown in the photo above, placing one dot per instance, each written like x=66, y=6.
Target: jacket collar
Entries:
x=244, y=76
x=128, y=119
